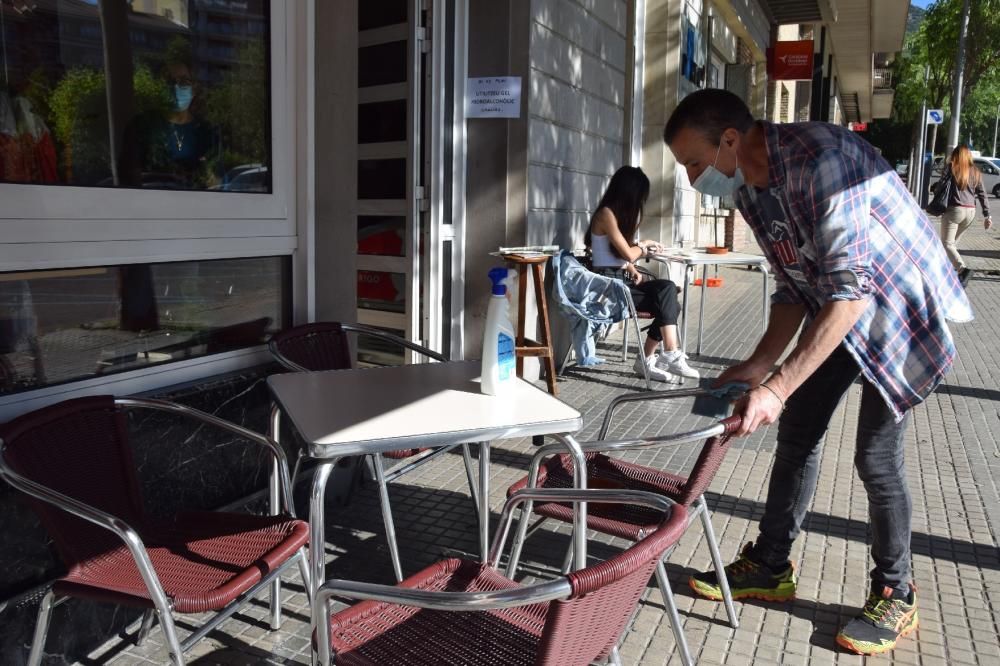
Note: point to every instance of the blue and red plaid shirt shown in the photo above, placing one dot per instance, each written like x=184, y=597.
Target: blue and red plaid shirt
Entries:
x=837, y=224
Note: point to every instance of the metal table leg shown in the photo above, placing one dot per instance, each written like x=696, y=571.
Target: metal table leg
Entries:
x=764, y=301
x=317, y=534
x=484, y=500
x=701, y=312
x=684, y=308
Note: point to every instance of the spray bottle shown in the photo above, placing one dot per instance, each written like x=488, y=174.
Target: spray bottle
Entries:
x=498, y=371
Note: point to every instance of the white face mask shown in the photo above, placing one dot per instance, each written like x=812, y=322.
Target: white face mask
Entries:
x=714, y=183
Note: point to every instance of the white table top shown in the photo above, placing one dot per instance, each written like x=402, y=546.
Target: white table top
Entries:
x=697, y=257
x=348, y=412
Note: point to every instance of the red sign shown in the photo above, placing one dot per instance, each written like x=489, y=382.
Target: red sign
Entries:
x=791, y=61
x=378, y=286
x=858, y=127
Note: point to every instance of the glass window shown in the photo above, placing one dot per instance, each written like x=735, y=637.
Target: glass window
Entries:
x=379, y=290
x=379, y=14
x=63, y=325
x=376, y=351
x=382, y=121
x=169, y=94
x=382, y=179
x=382, y=64
x=382, y=235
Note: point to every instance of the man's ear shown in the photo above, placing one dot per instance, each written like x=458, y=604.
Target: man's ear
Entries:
x=730, y=137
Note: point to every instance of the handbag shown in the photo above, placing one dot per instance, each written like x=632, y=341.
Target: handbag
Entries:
x=942, y=192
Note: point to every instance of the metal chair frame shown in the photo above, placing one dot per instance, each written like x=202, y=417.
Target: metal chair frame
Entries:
x=634, y=318
x=698, y=508
x=280, y=502
x=375, y=462
x=559, y=588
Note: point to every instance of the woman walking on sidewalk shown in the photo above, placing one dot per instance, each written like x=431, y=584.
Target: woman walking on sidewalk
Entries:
x=966, y=187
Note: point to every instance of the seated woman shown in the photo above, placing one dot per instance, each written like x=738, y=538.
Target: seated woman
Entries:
x=613, y=249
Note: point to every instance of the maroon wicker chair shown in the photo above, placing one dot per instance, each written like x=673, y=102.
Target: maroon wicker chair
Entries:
x=631, y=522
x=464, y=612
x=75, y=461
x=326, y=346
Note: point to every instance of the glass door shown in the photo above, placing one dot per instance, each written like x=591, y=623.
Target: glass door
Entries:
x=390, y=70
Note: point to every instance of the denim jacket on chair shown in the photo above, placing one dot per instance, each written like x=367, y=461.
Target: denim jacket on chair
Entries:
x=590, y=301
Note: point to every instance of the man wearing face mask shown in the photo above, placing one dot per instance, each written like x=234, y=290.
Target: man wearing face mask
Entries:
x=857, y=261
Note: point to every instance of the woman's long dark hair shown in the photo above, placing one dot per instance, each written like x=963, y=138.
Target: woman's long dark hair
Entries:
x=626, y=195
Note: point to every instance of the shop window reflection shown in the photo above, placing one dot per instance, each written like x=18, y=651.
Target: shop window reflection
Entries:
x=65, y=325
x=161, y=94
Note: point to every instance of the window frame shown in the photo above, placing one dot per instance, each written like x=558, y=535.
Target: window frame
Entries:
x=59, y=226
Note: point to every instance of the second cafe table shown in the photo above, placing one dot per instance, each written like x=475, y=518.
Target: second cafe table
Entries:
x=361, y=411
x=691, y=259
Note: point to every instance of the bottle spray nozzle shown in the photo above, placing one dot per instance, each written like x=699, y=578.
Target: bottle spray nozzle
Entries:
x=499, y=277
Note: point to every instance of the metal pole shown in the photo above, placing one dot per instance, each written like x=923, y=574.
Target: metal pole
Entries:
x=956, y=95
x=919, y=172
x=996, y=124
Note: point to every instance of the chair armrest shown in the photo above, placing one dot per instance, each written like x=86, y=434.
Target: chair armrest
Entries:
x=726, y=426
x=445, y=601
x=568, y=496
x=107, y=521
x=284, y=476
x=284, y=361
x=361, y=329
x=620, y=400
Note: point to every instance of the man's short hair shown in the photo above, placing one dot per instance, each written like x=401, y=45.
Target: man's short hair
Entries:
x=711, y=111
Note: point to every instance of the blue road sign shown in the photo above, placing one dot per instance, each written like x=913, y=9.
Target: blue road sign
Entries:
x=935, y=116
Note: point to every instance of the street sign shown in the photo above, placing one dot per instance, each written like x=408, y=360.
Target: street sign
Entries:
x=935, y=116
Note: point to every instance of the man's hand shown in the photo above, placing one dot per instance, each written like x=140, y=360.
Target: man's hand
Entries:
x=748, y=372
x=636, y=275
x=759, y=407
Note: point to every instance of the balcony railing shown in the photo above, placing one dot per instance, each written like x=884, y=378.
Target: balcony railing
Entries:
x=881, y=78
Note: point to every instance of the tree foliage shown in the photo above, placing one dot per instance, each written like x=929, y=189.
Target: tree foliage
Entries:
x=932, y=48
x=239, y=106
x=78, y=115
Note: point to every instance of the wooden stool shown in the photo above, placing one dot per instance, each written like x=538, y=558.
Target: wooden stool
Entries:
x=523, y=346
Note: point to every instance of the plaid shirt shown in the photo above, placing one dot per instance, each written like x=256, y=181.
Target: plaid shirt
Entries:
x=837, y=224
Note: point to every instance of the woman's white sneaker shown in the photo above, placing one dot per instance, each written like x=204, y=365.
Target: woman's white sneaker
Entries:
x=655, y=372
x=675, y=363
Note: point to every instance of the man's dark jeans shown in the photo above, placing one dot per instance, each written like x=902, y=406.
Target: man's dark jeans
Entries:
x=878, y=458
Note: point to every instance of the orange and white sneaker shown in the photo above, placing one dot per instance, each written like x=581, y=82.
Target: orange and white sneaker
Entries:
x=887, y=616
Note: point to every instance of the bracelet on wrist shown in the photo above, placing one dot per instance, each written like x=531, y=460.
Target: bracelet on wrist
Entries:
x=773, y=392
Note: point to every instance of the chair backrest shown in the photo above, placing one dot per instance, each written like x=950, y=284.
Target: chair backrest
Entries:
x=234, y=336
x=318, y=346
x=79, y=448
x=587, y=625
x=709, y=460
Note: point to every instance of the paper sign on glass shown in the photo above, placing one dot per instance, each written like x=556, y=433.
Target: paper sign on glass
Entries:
x=493, y=97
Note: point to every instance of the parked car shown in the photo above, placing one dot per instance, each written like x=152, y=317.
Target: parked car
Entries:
x=938, y=168
x=247, y=178
x=990, y=166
